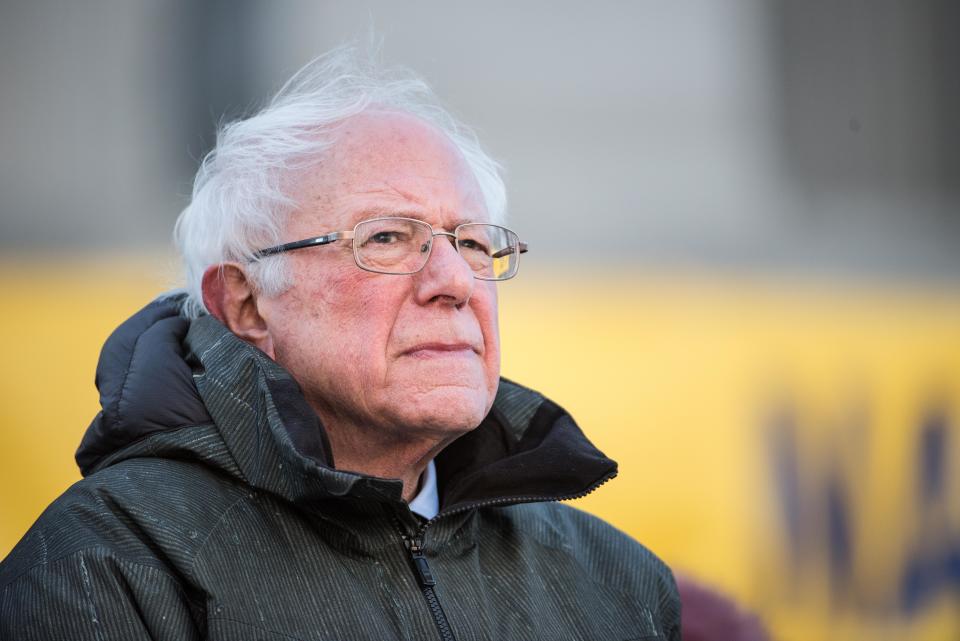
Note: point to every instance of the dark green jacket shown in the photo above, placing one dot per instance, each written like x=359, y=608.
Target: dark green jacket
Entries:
x=211, y=510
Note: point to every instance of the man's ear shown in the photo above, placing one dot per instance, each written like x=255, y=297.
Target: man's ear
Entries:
x=231, y=298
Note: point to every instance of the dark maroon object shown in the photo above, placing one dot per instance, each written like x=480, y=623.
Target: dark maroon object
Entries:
x=707, y=615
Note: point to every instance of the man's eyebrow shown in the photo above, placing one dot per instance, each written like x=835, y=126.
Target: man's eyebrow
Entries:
x=368, y=213
x=375, y=211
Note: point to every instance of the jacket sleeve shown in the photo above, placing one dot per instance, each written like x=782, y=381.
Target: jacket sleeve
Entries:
x=93, y=595
x=671, y=622
x=670, y=605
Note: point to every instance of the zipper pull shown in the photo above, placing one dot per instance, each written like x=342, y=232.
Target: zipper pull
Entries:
x=420, y=564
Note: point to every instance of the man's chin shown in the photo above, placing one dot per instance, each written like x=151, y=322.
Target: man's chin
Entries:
x=448, y=408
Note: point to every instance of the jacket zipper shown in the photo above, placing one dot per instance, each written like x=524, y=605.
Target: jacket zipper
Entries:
x=421, y=568
x=425, y=578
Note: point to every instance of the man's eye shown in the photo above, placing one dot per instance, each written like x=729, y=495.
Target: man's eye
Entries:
x=473, y=245
x=385, y=237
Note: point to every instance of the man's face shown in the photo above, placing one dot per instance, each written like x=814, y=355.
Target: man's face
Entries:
x=408, y=356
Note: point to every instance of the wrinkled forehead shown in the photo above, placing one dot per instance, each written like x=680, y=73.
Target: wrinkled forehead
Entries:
x=385, y=163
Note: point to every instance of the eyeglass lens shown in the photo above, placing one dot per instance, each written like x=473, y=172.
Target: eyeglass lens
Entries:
x=402, y=246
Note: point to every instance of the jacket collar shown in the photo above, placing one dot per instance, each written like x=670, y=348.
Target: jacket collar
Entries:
x=161, y=374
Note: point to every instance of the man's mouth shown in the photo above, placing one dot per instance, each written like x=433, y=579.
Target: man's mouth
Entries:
x=437, y=349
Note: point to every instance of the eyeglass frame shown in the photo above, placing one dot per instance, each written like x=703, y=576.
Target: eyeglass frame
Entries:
x=326, y=239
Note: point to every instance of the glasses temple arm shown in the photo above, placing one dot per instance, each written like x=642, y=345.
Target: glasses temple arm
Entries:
x=300, y=244
x=506, y=251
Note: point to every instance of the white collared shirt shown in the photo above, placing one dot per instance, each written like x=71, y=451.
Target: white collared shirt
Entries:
x=427, y=502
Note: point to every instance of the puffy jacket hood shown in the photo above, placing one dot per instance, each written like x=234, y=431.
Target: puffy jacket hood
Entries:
x=145, y=383
x=191, y=390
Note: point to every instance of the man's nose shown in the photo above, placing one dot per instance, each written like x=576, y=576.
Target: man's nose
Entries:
x=446, y=277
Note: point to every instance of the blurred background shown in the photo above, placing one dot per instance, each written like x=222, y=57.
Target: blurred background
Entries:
x=745, y=269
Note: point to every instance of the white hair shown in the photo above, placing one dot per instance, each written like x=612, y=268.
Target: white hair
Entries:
x=239, y=204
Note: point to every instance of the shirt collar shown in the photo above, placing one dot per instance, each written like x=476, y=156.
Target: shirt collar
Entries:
x=427, y=502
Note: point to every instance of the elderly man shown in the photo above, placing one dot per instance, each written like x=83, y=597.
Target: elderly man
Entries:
x=313, y=441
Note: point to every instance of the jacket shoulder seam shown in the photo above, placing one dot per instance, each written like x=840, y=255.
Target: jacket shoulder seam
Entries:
x=247, y=496
x=159, y=566
x=191, y=604
x=158, y=563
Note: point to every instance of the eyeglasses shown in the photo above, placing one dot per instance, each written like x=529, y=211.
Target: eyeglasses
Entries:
x=397, y=245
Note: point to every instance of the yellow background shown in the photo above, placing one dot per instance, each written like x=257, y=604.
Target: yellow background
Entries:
x=678, y=376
